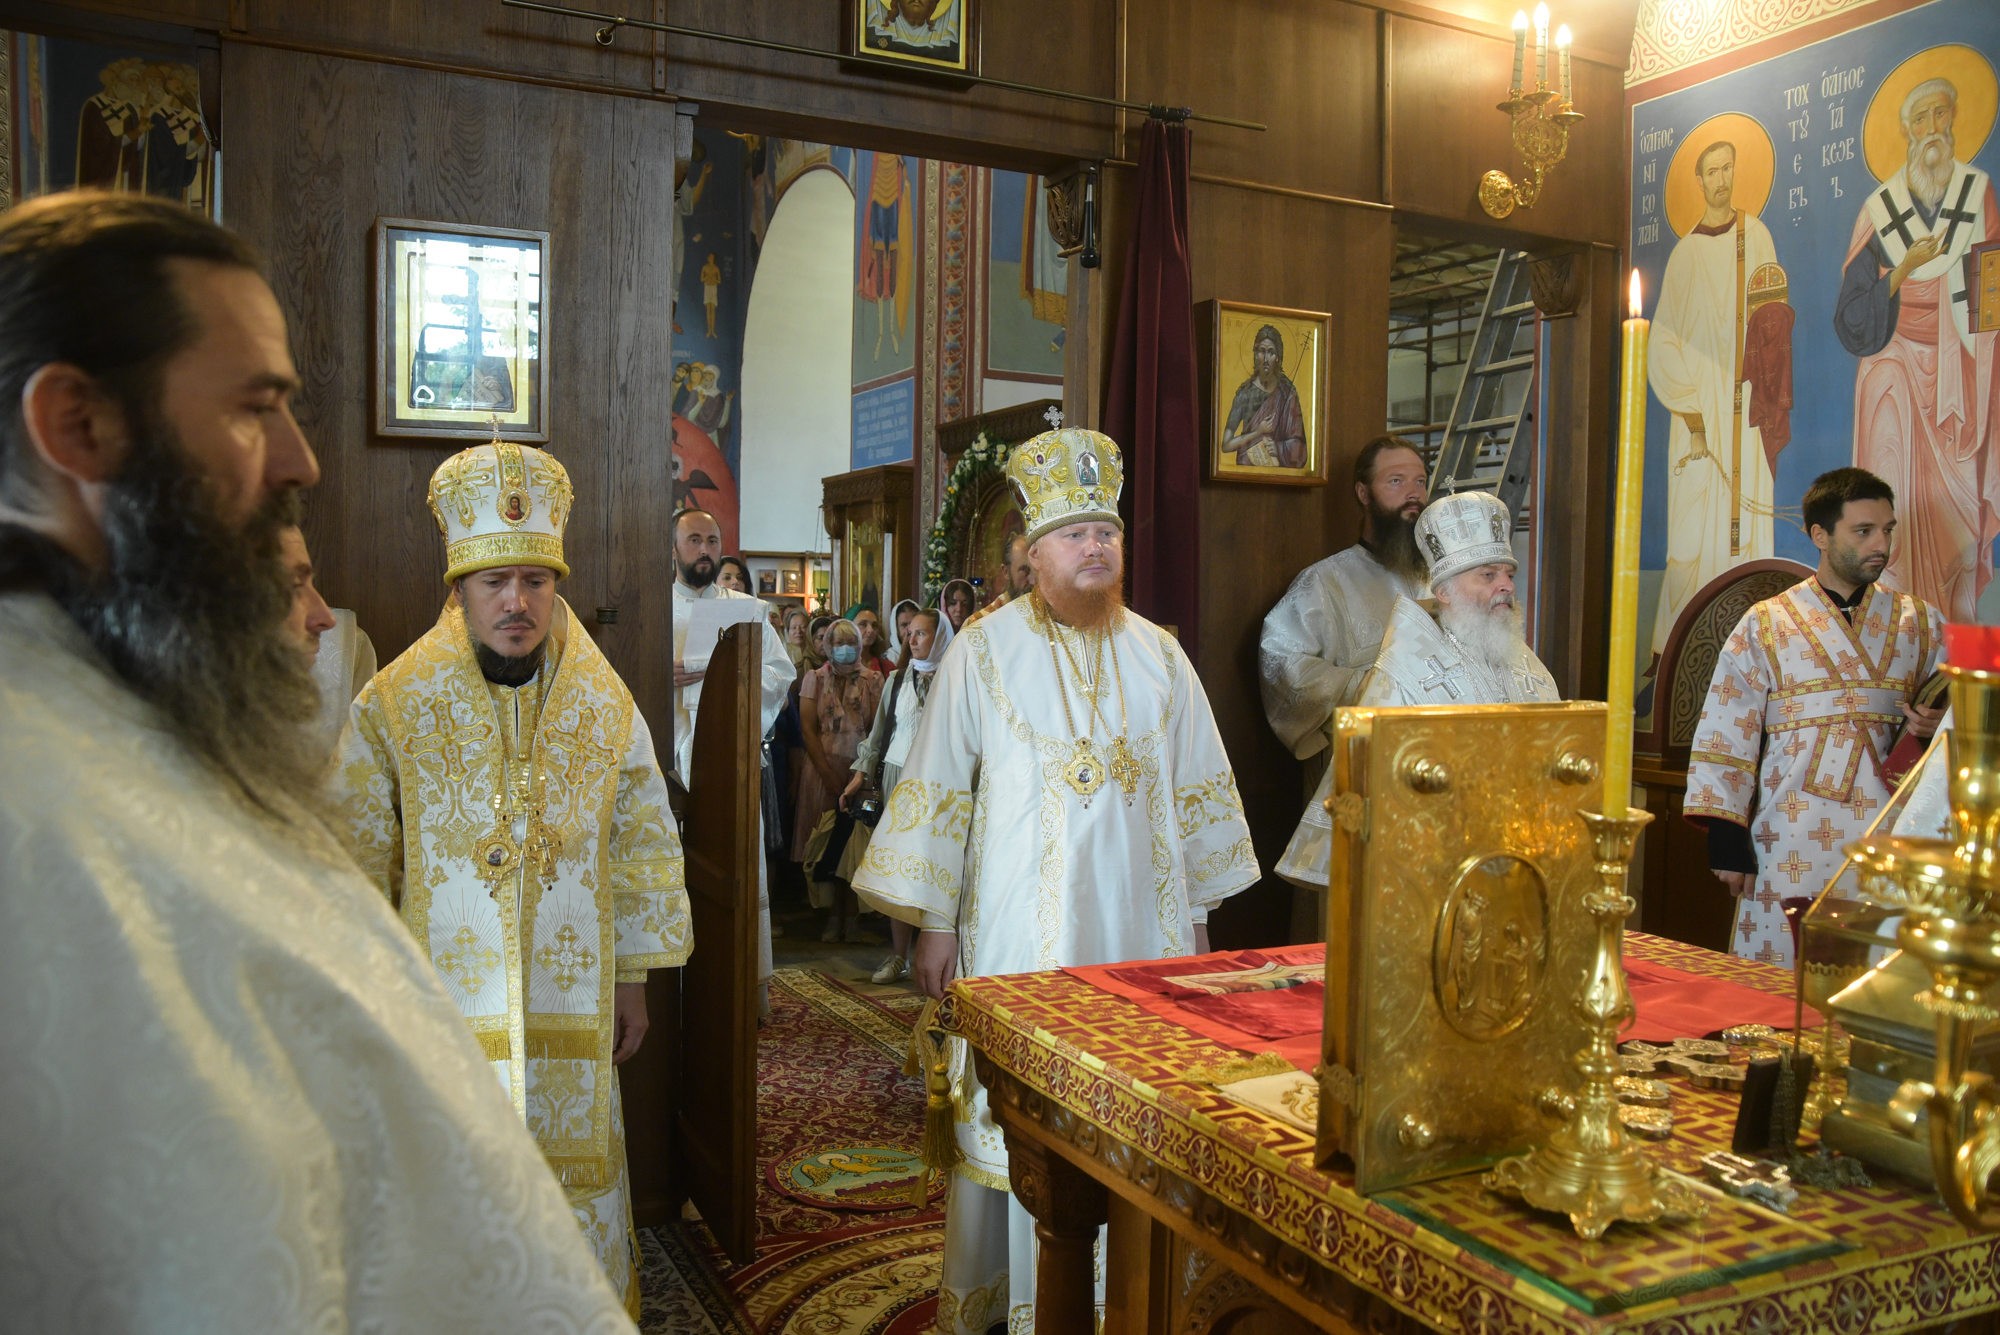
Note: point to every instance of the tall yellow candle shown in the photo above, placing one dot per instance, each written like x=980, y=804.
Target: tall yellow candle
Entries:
x=1625, y=563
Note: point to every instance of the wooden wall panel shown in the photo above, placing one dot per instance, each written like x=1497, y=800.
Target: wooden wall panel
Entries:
x=1445, y=133
x=1306, y=68
x=319, y=148
x=1280, y=251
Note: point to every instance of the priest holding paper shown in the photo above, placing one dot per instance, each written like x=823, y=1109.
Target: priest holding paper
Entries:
x=703, y=609
x=499, y=784
x=1067, y=802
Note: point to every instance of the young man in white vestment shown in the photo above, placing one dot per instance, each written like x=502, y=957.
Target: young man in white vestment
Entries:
x=697, y=558
x=499, y=784
x=1067, y=801
x=238, y=1098
x=1462, y=646
x=1807, y=697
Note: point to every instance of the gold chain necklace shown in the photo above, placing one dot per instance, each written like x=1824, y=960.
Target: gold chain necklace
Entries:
x=1085, y=770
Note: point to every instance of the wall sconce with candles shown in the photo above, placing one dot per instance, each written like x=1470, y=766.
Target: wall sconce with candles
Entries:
x=1541, y=118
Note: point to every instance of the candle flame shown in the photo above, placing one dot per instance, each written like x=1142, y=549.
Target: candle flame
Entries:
x=1541, y=18
x=1562, y=36
x=1520, y=20
x=1636, y=306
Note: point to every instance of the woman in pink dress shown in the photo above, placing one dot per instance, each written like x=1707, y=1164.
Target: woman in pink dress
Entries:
x=836, y=708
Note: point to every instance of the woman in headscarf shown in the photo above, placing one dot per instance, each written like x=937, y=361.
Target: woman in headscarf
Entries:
x=958, y=600
x=881, y=756
x=836, y=705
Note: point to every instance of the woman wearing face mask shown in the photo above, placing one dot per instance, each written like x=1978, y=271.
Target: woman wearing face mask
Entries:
x=836, y=705
x=881, y=756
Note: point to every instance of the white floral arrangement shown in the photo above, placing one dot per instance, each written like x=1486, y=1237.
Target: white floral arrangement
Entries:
x=983, y=455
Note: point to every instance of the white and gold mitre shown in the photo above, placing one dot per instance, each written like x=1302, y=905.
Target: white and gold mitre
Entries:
x=1463, y=532
x=1066, y=477
x=501, y=504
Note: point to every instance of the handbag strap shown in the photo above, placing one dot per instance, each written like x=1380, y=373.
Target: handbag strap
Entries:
x=888, y=733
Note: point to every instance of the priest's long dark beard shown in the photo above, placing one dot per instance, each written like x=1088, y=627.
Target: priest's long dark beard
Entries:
x=694, y=576
x=189, y=612
x=502, y=669
x=1395, y=541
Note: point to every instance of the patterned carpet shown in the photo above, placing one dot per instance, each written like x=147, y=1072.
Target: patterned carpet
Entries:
x=829, y=1070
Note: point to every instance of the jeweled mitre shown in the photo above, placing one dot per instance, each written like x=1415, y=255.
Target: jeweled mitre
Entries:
x=1463, y=532
x=501, y=504
x=1066, y=477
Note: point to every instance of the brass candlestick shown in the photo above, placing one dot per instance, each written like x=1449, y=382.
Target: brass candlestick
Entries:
x=1541, y=137
x=1590, y=1169
x=1945, y=889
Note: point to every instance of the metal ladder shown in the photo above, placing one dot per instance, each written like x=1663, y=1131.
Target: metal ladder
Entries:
x=1489, y=441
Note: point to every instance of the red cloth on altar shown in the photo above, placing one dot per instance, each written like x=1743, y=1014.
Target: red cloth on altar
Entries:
x=1671, y=1003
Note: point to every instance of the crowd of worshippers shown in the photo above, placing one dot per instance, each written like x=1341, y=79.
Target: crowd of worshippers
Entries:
x=315, y=979
x=1822, y=698
x=835, y=747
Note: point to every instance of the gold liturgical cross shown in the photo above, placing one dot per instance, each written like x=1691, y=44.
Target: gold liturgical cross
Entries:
x=1124, y=768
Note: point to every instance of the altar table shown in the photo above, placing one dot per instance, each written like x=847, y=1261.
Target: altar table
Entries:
x=1216, y=1211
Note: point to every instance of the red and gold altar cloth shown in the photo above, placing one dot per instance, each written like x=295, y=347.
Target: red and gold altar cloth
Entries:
x=1459, y=1258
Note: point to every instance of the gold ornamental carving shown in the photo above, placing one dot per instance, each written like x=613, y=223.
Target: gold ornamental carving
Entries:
x=1591, y=1169
x=1945, y=891
x=1454, y=907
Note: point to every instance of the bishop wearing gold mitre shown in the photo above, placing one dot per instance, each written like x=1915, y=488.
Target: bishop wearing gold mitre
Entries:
x=498, y=783
x=1067, y=801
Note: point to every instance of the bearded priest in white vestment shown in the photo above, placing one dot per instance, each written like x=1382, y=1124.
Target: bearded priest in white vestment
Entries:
x=1067, y=802
x=697, y=551
x=237, y=1099
x=1464, y=647
x=500, y=785
x=1322, y=637
x=1808, y=694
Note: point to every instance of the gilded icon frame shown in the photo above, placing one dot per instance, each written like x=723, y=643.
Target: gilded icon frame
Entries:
x=415, y=262
x=863, y=43
x=1226, y=336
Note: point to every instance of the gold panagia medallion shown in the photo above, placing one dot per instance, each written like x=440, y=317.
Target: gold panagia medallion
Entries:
x=497, y=855
x=1085, y=770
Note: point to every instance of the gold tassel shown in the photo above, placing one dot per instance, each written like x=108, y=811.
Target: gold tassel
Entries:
x=940, y=1149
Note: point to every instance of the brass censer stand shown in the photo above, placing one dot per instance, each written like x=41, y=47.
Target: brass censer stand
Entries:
x=1590, y=1169
x=1945, y=891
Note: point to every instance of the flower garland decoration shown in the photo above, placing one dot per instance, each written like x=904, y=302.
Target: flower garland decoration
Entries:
x=984, y=455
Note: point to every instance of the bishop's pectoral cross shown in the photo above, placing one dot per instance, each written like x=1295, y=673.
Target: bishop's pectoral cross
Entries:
x=1447, y=677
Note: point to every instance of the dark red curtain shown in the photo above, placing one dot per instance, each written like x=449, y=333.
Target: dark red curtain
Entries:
x=1150, y=404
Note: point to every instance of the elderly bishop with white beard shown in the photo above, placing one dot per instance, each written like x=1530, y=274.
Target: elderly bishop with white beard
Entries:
x=1067, y=802
x=1462, y=646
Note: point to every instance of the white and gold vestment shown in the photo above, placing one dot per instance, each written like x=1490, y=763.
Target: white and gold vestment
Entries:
x=237, y=1096
x=1420, y=664
x=1320, y=640
x=1800, y=714
x=524, y=835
